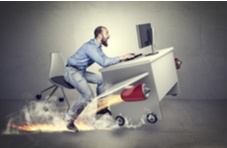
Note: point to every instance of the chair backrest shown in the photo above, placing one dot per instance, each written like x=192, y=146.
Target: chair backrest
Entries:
x=57, y=65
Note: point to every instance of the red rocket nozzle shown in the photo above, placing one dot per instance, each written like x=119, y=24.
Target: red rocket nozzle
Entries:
x=178, y=63
x=137, y=92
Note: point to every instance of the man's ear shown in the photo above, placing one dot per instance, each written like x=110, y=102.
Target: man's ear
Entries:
x=100, y=36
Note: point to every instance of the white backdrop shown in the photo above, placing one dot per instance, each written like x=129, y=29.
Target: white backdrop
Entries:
x=31, y=30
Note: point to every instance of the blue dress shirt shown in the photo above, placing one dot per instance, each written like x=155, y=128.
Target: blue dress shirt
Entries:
x=89, y=53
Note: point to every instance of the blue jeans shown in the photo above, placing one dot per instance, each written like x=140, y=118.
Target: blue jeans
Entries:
x=80, y=79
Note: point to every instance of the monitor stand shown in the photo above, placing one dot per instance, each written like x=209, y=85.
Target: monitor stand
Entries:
x=153, y=52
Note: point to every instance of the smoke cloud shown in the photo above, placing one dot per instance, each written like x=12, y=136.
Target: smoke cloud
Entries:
x=47, y=117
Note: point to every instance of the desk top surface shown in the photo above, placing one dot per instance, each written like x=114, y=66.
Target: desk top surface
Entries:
x=142, y=59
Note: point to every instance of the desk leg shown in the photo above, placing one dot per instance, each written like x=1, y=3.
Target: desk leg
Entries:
x=175, y=90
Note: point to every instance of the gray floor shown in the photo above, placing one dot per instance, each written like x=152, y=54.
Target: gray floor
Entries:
x=185, y=124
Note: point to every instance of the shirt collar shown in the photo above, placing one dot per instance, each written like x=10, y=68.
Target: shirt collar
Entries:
x=95, y=41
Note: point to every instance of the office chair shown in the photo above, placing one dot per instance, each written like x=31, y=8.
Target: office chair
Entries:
x=56, y=77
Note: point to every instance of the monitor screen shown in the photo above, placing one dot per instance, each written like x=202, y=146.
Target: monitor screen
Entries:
x=144, y=34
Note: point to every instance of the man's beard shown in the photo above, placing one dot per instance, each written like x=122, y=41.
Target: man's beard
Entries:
x=104, y=42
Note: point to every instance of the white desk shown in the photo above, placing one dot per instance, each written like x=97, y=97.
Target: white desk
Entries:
x=162, y=79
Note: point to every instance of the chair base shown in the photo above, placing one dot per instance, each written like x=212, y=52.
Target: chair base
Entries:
x=55, y=88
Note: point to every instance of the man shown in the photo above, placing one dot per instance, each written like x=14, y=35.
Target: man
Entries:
x=77, y=76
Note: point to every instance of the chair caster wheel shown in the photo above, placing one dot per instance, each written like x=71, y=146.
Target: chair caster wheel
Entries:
x=152, y=118
x=38, y=97
x=61, y=99
x=120, y=120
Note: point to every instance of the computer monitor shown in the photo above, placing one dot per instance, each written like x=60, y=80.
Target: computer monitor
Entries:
x=145, y=34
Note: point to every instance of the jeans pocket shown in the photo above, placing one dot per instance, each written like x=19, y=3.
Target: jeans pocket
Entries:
x=73, y=75
x=76, y=76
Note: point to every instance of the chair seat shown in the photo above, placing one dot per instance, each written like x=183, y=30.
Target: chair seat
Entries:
x=60, y=81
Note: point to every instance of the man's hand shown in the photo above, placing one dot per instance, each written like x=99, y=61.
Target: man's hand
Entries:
x=127, y=56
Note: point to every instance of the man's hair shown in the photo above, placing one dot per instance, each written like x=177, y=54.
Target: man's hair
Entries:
x=98, y=30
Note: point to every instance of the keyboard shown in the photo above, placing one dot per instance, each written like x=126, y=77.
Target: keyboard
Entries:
x=135, y=56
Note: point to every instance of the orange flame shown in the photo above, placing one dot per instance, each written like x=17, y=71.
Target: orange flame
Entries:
x=103, y=103
x=81, y=125
x=39, y=127
x=108, y=101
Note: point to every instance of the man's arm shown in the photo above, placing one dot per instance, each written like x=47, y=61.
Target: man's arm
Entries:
x=99, y=57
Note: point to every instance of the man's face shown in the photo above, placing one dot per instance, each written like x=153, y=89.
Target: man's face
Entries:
x=105, y=36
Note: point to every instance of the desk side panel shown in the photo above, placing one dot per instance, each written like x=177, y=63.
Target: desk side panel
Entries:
x=165, y=74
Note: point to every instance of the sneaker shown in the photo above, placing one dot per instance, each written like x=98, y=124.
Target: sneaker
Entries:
x=104, y=111
x=71, y=126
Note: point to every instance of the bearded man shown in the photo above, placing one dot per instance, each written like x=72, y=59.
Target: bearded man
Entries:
x=77, y=75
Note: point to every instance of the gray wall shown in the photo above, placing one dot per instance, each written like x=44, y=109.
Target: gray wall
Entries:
x=29, y=31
